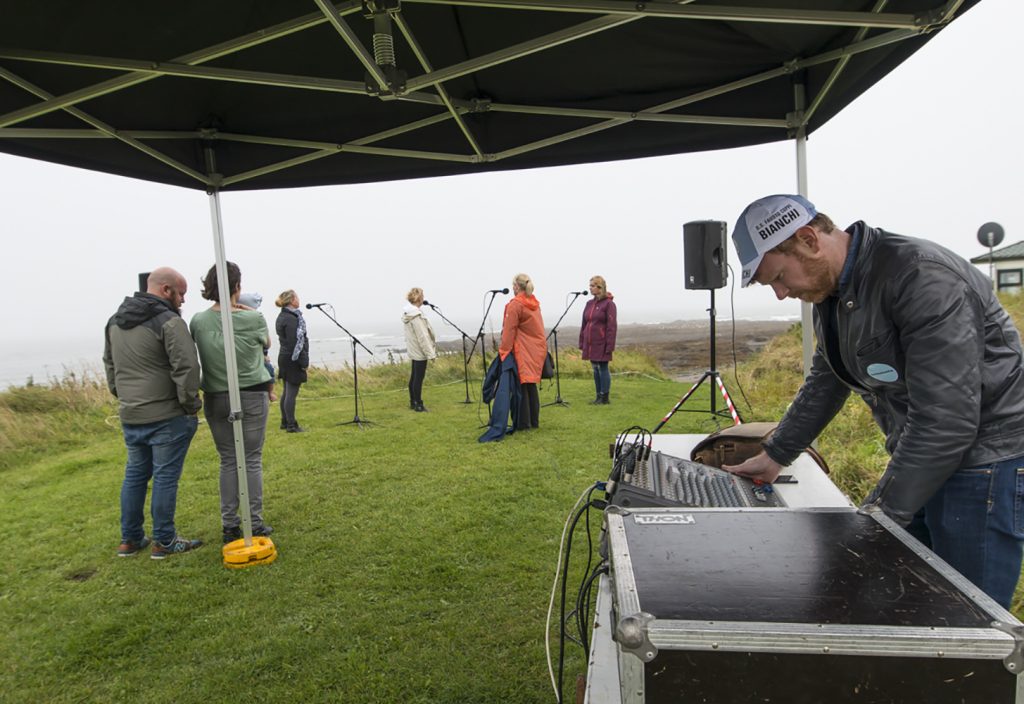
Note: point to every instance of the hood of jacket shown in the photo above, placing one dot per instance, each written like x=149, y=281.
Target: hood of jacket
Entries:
x=530, y=302
x=409, y=312
x=140, y=308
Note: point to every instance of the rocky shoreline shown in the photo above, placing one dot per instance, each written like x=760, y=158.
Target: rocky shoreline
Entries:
x=682, y=347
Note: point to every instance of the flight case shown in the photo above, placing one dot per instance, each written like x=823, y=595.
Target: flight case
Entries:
x=799, y=606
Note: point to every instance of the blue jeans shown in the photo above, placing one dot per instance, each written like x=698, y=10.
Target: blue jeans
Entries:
x=975, y=522
x=602, y=377
x=155, y=451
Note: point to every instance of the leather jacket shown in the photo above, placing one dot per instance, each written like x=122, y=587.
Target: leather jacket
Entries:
x=917, y=332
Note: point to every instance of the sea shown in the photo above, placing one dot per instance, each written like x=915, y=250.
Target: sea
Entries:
x=43, y=362
x=83, y=358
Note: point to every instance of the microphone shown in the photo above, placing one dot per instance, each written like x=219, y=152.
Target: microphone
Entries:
x=580, y=293
x=316, y=305
x=498, y=290
x=427, y=303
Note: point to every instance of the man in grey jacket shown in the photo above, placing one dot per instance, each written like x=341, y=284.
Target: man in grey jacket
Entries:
x=918, y=334
x=153, y=370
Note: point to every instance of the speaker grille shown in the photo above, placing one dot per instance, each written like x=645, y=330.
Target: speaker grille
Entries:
x=705, y=258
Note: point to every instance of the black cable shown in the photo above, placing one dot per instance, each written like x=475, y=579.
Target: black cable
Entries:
x=581, y=618
x=565, y=576
x=583, y=603
x=735, y=362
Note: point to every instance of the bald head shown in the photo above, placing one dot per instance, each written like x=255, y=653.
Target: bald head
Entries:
x=168, y=284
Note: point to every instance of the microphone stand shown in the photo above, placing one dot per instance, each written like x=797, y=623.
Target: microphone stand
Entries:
x=355, y=370
x=554, y=332
x=480, y=338
x=465, y=359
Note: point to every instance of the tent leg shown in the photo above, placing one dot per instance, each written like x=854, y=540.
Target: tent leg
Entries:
x=234, y=394
x=806, y=322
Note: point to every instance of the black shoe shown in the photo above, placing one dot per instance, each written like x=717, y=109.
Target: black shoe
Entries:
x=412, y=406
x=604, y=399
x=264, y=530
x=419, y=407
x=295, y=429
x=232, y=534
x=284, y=426
x=597, y=400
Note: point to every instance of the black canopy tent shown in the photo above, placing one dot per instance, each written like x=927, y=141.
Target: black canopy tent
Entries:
x=225, y=96
x=304, y=92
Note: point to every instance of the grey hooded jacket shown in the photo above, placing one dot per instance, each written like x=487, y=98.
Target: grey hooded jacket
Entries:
x=917, y=332
x=151, y=361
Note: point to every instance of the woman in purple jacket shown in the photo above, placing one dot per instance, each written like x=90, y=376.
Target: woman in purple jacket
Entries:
x=597, y=335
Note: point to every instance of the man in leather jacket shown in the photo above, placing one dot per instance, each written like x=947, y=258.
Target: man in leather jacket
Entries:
x=918, y=334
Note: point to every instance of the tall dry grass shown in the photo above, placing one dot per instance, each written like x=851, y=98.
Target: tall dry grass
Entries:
x=52, y=414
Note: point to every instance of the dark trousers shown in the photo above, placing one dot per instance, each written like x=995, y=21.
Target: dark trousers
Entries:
x=419, y=370
x=529, y=407
x=291, y=392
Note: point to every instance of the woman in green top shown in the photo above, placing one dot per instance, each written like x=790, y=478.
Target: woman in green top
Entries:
x=251, y=337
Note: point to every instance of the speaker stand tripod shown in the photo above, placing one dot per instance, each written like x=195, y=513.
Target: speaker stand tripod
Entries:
x=711, y=375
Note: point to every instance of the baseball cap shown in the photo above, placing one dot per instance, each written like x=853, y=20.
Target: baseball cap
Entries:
x=766, y=223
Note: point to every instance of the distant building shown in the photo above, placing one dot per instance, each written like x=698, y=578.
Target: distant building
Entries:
x=1009, y=267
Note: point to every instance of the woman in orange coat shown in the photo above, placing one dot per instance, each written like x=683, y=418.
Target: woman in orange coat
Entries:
x=522, y=333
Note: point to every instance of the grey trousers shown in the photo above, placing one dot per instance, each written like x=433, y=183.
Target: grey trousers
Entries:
x=255, y=409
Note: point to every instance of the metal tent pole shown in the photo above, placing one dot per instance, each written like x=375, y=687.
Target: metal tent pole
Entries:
x=807, y=324
x=234, y=394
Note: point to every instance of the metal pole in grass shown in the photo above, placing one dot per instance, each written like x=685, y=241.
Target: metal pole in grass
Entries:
x=554, y=332
x=248, y=550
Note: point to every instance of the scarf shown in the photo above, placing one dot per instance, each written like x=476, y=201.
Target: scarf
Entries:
x=300, y=334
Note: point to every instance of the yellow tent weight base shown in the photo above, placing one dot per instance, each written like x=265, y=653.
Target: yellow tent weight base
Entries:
x=238, y=555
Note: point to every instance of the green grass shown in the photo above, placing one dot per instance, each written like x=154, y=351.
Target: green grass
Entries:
x=414, y=563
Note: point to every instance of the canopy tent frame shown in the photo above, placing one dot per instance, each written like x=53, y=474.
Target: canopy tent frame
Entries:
x=616, y=13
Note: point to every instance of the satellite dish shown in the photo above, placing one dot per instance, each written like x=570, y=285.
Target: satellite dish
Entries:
x=990, y=234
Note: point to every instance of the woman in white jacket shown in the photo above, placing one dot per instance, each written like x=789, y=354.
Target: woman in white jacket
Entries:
x=419, y=340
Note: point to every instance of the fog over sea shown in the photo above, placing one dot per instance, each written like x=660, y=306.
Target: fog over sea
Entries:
x=43, y=360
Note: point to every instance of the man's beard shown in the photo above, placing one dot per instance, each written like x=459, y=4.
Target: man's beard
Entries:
x=821, y=282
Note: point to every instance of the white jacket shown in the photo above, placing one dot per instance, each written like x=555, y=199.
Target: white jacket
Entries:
x=419, y=336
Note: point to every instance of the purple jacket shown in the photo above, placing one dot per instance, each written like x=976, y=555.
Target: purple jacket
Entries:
x=597, y=334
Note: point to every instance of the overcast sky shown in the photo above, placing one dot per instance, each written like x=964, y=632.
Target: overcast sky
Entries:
x=934, y=150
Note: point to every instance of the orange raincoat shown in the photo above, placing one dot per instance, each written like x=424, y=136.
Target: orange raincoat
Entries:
x=522, y=332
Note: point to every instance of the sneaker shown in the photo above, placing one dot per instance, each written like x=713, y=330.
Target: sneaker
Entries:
x=232, y=534
x=130, y=547
x=264, y=530
x=176, y=546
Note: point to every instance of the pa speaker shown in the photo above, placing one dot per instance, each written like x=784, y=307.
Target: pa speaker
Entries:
x=704, y=254
x=143, y=281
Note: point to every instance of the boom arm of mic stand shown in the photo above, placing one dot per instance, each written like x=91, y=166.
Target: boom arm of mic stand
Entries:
x=575, y=295
x=345, y=330
x=462, y=332
x=480, y=332
x=441, y=315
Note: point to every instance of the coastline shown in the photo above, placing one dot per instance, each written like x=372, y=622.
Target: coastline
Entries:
x=682, y=347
